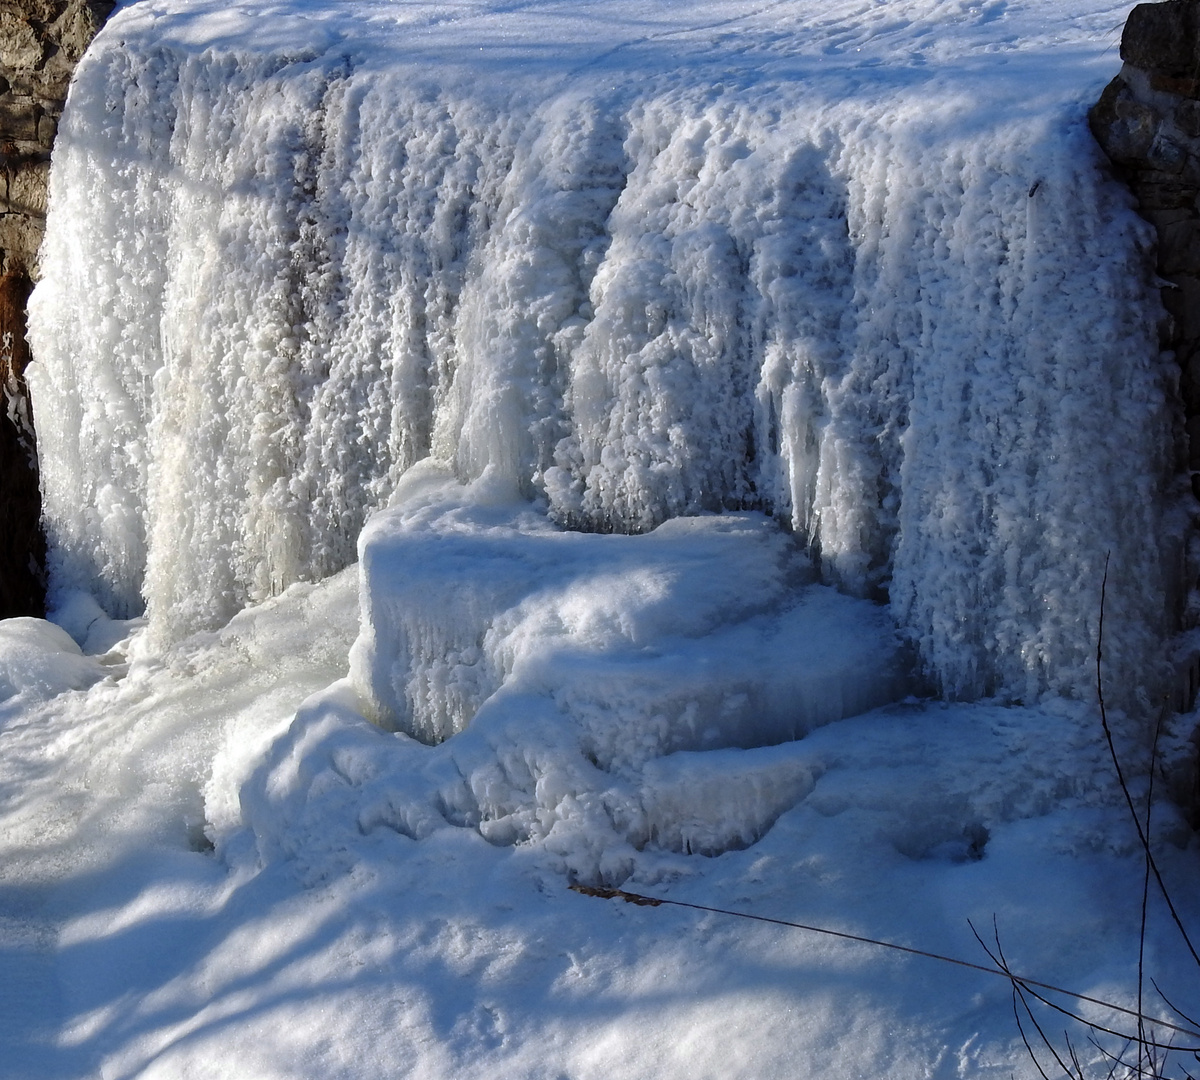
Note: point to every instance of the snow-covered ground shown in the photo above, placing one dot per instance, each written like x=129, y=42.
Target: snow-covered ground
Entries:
x=355, y=920
x=482, y=273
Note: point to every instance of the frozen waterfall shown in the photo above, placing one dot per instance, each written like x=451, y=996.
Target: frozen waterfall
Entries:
x=285, y=265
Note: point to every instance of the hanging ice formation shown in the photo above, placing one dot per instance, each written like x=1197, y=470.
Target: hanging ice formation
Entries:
x=278, y=276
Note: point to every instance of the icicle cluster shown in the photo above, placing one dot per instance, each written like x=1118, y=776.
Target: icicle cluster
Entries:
x=272, y=283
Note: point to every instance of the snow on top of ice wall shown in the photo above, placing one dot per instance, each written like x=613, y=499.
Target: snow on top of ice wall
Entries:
x=856, y=265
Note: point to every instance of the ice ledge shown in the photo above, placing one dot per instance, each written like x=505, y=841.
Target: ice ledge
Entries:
x=708, y=632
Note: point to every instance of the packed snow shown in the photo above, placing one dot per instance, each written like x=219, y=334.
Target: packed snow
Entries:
x=489, y=448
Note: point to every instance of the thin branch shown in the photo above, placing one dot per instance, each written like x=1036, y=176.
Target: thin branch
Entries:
x=1074, y=1055
x=655, y=901
x=1112, y=750
x=1171, y=1005
x=1116, y=1059
x=1141, y=975
x=1025, y=1038
x=1041, y=1034
x=1027, y=985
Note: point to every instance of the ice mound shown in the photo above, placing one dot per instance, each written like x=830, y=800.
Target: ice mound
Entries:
x=707, y=632
x=78, y=613
x=518, y=775
x=911, y=783
x=41, y=660
x=598, y=693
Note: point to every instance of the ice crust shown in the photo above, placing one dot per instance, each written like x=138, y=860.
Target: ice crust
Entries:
x=287, y=259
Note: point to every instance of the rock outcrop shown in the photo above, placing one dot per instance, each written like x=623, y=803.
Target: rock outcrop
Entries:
x=41, y=41
x=1148, y=122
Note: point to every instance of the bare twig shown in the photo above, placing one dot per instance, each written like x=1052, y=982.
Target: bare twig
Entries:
x=1026, y=985
x=1112, y=750
x=1041, y=1034
x=1171, y=1005
x=1141, y=976
x=655, y=901
x=1025, y=1038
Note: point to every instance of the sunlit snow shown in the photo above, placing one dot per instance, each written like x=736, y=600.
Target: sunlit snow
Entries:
x=488, y=447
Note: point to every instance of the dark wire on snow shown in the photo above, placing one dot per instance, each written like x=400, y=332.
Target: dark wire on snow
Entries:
x=1003, y=971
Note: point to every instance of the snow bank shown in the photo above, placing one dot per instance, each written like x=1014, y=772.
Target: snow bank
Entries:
x=634, y=270
x=355, y=921
x=40, y=660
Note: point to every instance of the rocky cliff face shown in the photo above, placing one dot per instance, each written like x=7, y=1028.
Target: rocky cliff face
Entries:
x=41, y=41
x=1148, y=122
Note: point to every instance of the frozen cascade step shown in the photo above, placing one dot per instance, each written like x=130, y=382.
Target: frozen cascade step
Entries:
x=708, y=632
x=603, y=695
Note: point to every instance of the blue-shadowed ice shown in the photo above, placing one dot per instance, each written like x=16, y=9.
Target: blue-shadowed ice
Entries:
x=488, y=447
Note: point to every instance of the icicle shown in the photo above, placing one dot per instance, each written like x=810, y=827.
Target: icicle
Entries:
x=274, y=282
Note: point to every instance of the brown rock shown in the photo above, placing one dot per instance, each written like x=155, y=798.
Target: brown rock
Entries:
x=1155, y=195
x=1175, y=84
x=20, y=236
x=1183, y=303
x=20, y=46
x=1189, y=381
x=19, y=117
x=74, y=29
x=1161, y=218
x=1125, y=127
x=1163, y=38
x=47, y=128
x=1179, y=247
x=1193, y=433
x=39, y=12
x=24, y=190
x=1166, y=154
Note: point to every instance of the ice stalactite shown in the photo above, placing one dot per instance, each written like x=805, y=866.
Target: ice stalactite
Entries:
x=276, y=280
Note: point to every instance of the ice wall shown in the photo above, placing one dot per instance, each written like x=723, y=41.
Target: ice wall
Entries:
x=283, y=267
